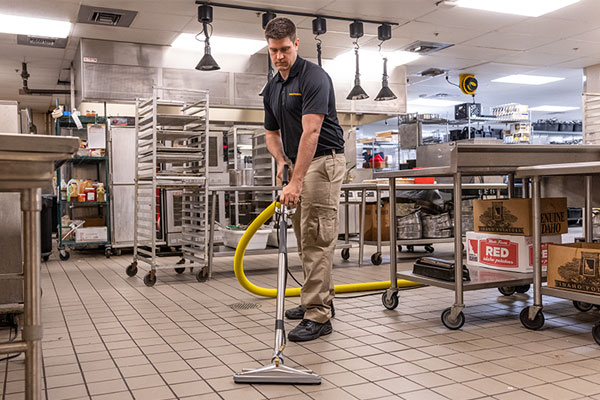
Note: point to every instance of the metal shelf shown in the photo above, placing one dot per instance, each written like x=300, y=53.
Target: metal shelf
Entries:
x=85, y=203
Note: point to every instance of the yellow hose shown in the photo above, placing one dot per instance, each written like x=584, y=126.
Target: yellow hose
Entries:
x=238, y=266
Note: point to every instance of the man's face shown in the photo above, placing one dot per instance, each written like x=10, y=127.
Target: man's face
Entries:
x=283, y=53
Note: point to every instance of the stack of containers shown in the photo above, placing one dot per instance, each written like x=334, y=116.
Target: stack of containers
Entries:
x=502, y=237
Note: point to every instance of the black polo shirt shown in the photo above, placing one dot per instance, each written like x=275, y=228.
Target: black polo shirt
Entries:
x=307, y=90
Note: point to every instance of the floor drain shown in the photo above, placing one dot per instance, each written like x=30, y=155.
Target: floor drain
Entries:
x=244, y=306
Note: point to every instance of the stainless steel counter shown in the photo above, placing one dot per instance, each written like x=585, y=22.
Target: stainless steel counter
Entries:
x=27, y=163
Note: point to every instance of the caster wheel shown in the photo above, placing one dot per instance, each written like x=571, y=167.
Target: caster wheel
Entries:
x=449, y=322
x=534, y=324
x=149, y=279
x=392, y=303
x=182, y=261
x=132, y=269
x=46, y=258
x=180, y=270
x=507, y=290
x=345, y=254
x=596, y=333
x=64, y=255
x=107, y=252
x=583, y=307
x=202, y=275
x=429, y=249
x=376, y=259
x=522, y=288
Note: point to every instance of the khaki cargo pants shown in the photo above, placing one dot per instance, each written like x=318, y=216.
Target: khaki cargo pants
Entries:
x=315, y=224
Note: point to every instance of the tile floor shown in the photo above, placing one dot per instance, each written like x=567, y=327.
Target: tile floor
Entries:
x=108, y=336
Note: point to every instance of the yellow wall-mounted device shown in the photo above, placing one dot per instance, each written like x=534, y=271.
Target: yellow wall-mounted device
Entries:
x=468, y=84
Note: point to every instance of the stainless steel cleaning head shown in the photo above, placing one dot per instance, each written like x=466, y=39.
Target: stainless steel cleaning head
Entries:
x=277, y=374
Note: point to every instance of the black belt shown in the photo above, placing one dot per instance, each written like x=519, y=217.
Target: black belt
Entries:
x=325, y=152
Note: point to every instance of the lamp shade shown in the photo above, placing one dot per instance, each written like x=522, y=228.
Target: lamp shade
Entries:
x=207, y=63
x=385, y=94
x=357, y=93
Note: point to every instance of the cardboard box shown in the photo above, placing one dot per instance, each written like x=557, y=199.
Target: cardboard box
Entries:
x=575, y=266
x=513, y=216
x=370, y=229
x=91, y=234
x=504, y=252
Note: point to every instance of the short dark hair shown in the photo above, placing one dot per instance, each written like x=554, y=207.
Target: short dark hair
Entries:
x=280, y=28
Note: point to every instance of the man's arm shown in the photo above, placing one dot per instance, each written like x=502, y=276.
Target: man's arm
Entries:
x=311, y=129
x=275, y=147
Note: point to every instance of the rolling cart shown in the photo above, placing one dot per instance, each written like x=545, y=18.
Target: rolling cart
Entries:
x=99, y=165
x=455, y=160
x=532, y=316
x=172, y=153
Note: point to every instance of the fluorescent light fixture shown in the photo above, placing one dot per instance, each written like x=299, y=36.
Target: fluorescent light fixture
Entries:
x=553, y=108
x=528, y=8
x=219, y=44
x=433, y=102
x=371, y=62
x=34, y=26
x=528, y=79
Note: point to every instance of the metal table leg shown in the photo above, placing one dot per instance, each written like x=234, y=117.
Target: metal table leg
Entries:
x=511, y=186
x=537, y=250
x=458, y=306
x=379, y=221
x=525, y=188
x=31, y=205
x=589, y=226
x=347, y=219
x=390, y=297
x=211, y=234
x=361, y=231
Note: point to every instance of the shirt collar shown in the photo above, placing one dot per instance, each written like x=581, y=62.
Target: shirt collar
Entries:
x=295, y=70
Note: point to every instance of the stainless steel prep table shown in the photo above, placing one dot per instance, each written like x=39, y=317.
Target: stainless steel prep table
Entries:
x=221, y=252
x=27, y=163
x=532, y=317
x=456, y=159
x=380, y=189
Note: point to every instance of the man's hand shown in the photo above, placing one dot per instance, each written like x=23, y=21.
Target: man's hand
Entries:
x=291, y=193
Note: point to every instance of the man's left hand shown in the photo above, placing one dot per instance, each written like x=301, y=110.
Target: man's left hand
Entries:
x=291, y=193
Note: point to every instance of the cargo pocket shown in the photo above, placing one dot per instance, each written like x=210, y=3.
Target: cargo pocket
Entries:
x=321, y=225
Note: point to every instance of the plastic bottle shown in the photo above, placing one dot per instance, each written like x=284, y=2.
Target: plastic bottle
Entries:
x=100, y=192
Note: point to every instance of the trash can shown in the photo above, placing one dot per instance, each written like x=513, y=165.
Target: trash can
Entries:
x=46, y=226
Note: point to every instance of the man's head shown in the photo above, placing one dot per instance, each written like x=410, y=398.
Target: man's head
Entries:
x=282, y=42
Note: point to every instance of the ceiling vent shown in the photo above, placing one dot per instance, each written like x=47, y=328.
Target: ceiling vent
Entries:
x=424, y=48
x=55, y=43
x=432, y=72
x=105, y=16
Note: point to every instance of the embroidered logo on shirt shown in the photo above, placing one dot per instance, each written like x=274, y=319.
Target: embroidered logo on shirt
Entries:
x=295, y=94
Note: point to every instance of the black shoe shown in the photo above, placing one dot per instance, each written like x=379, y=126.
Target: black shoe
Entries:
x=309, y=330
x=298, y=312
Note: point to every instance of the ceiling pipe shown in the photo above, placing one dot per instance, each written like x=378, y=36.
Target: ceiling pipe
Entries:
x=37, y=92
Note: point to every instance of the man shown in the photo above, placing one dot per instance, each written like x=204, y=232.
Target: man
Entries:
x=301, y=123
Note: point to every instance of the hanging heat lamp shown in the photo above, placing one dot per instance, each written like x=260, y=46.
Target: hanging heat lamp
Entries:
x=357, y=92
x=319, y=27
x=384, y=32
x=205, y=16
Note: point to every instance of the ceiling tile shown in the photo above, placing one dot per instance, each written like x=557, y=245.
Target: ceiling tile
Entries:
x=435, y=32
x=174, y=7
x=508, y=41
x=584, y=10
x=162, y=22
x=568, y=47
x=476, y=53
x=124, y=34
x=547, y=27
x=393, y=11
x=459, y=17
x=56, y=9
x=534, y=58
